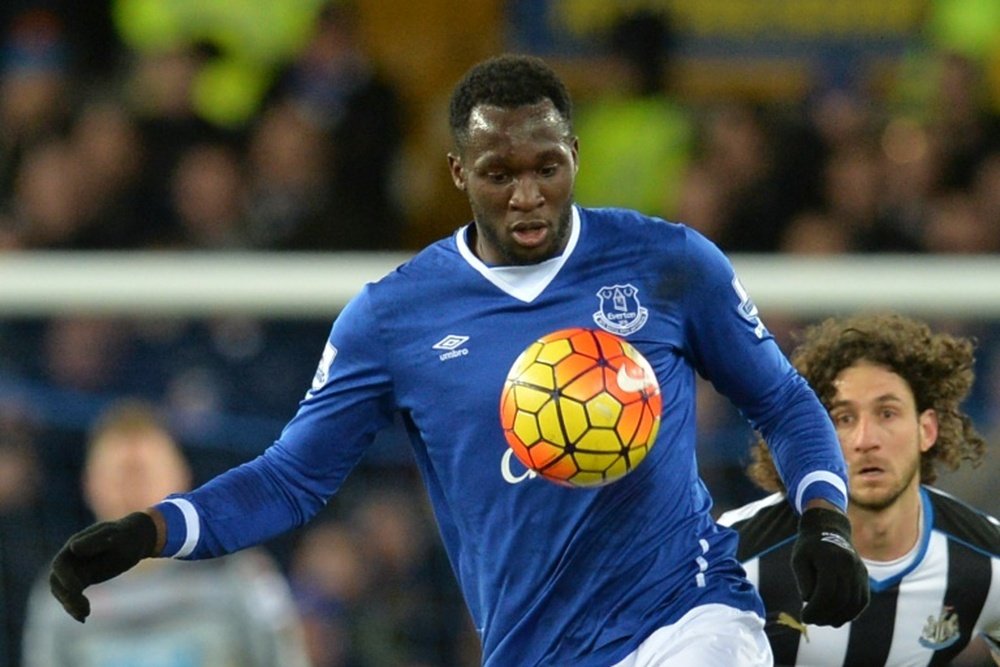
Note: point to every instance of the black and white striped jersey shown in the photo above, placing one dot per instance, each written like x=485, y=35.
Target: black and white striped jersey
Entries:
x=924, y=609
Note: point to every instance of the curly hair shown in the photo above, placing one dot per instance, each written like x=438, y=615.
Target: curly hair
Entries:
x=938, y=368
x=506, y=81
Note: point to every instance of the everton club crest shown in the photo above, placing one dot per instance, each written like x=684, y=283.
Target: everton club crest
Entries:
x=620, y=311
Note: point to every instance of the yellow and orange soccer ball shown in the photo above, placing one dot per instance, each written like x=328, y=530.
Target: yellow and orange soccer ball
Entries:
x=581, y=407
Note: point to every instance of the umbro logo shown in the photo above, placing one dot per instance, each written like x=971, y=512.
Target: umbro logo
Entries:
x=452, y=346
x=450, y=342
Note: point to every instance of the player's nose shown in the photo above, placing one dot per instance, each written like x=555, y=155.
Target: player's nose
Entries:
x=526, y=195
x=864, y=435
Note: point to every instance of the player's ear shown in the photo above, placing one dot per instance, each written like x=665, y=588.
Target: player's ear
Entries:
x=456, y=170
x=928, y=423
x=574, y=148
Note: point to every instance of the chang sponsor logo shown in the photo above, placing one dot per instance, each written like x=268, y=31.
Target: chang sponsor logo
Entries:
x=513, y=471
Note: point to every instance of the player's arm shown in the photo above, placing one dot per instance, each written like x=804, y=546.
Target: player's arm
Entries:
x=247, y=505
x=980, y=651
x=991, y=637
x=732, y=348
x=994, y=644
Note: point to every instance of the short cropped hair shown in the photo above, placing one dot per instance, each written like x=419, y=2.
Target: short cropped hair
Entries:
x=937, y=367
x=506, y=81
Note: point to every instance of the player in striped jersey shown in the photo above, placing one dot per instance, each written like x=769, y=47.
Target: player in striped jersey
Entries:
x=893, y=389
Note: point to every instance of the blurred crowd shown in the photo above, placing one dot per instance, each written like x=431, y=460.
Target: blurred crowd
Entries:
x=127, y=157
x=123, y=151
x=910, y=164
x=843, y=175
x=104, y=145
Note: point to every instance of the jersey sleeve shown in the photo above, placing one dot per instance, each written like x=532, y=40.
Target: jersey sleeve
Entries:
x=349, y=401
x=730, y=346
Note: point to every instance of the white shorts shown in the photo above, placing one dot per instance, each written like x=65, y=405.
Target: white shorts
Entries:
x=712, y=635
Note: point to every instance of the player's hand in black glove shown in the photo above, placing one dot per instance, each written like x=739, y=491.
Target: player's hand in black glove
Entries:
x=831, y=577
x=98, y=553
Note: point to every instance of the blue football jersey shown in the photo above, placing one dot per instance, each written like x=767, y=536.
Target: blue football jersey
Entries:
x=552, y=575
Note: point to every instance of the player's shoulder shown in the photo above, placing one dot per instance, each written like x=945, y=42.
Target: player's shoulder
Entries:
x=433, y=264
x=430, y=260
x=763, y=525
x=629, y=223
x=963, y=522
x=672, y=246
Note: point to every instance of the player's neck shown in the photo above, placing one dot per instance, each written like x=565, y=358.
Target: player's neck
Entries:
x=889, y=533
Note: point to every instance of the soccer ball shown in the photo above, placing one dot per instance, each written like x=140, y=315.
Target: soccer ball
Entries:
x=581, y=407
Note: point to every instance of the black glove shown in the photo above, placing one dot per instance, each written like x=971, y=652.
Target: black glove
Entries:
x=96, y=554
x=831, y=577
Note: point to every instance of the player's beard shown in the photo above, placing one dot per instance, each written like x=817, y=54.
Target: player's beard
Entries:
x=883, y=499
x=509, y=251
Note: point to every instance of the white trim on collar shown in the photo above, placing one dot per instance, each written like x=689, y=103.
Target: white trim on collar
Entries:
x=525, y=282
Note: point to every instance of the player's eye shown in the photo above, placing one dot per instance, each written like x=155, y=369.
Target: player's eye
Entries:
x=842, y=419
x=549, y=171
x=497, y=177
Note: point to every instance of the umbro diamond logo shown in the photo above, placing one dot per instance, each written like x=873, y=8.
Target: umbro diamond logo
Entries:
x=450, y=342
x=452, y=346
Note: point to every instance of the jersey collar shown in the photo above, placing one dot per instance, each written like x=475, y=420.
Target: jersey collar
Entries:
x=913, y=559
x=524, y=283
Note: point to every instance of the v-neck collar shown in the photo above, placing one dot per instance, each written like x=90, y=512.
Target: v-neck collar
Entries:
x=526, y=282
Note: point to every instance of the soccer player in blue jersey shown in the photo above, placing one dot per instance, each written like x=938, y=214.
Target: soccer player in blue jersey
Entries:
x=894, y=391
x=632, y=573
